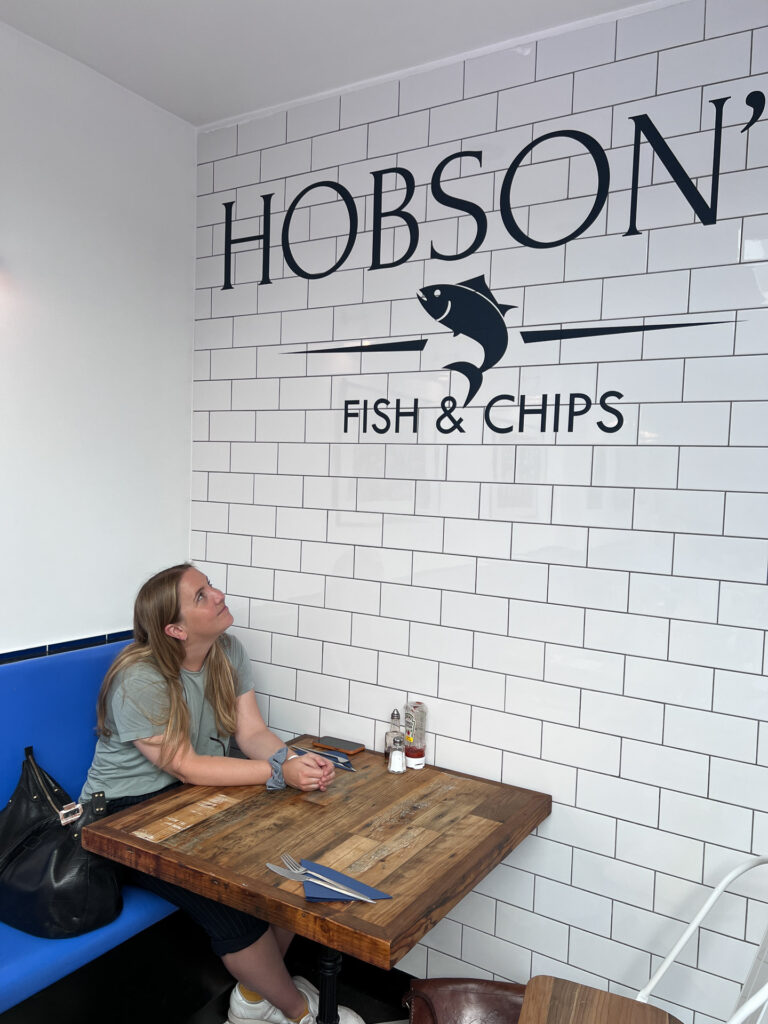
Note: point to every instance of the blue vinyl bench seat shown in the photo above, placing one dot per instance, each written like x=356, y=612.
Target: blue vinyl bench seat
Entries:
x=29, y=964
x=50, y=703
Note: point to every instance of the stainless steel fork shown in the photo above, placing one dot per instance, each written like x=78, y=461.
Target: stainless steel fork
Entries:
x=293, y=865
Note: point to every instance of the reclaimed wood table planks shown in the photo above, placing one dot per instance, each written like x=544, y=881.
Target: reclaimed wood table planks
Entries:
x=556, y=1001
x=425, y=837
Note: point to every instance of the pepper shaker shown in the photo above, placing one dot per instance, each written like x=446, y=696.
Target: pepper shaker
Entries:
x=392, y=731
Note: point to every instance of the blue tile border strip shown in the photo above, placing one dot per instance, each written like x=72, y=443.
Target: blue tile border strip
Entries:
x=125, y=634
x=30, y=652
x=76, y=645
x=66, y=645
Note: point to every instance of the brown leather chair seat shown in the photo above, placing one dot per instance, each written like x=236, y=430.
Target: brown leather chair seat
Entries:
x=544, y=999
x=463, y=1001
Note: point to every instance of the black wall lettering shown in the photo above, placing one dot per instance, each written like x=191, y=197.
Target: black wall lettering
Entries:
x=487, y=414
x=539, y=411
x=644, y=126
x=573, y=411
x=614, y=412
x=597, y=153
x=348, y=201
x=645, y=131
x=455, y=203
x=379, y=407
x=229, y=241
x=399, y=211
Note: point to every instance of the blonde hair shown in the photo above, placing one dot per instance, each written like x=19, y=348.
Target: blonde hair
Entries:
x=157, y=606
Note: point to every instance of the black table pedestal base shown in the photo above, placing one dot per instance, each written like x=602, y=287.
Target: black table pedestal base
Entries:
x=328, y=968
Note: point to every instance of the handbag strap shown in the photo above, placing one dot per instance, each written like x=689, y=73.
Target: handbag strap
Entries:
x=42, y=776
x=71, y=810
x=98, y=804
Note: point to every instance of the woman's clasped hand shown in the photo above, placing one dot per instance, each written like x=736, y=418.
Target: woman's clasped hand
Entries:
x=308, y=772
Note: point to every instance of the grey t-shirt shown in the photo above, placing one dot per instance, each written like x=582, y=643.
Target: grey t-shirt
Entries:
x=137, y=708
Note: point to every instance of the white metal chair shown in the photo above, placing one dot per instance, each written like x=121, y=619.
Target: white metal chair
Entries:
x=547, y=999
x=754, y=993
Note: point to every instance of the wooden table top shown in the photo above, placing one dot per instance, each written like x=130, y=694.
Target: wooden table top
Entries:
x=556, y=1001
x=425, y=837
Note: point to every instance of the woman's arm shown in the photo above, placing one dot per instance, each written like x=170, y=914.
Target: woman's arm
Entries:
x=310, y=772
x=205, y=770
x=253, y=737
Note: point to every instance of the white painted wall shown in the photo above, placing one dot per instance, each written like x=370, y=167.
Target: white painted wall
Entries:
x=583, y=613
x=96, y=265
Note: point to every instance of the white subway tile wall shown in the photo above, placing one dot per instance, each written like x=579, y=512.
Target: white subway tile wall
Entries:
x=583, y=608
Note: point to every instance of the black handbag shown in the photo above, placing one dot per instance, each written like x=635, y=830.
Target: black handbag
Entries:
x=49, y=885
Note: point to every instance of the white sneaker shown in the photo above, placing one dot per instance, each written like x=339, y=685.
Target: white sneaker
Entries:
x=243, y=1012
x=346, y=1016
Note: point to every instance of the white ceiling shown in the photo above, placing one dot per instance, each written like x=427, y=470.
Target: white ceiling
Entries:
x=210, y=60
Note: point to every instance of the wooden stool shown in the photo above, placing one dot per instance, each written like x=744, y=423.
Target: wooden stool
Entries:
x=555, y=1001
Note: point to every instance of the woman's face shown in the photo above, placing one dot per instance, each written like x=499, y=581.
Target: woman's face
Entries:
x=204, y=613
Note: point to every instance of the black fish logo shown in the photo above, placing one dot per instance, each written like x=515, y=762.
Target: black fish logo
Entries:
x=470, y=308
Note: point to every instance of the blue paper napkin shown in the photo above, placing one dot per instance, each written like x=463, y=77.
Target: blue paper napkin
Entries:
x=315, y=891
x=336, y=757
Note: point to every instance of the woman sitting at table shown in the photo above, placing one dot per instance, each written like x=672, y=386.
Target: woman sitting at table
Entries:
x=166, y=712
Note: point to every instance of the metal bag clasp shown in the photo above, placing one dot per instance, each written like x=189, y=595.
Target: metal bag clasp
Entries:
x=70, y=812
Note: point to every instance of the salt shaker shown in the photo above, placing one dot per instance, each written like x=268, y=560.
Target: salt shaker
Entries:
x=396, y=763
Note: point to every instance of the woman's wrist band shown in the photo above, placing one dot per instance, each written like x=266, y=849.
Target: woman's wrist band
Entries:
x=276, y=762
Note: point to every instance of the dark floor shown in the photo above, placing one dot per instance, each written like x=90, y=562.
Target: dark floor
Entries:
x=168, y=975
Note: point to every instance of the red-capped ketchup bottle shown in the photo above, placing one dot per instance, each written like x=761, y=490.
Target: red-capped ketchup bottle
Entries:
x=415, y=721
